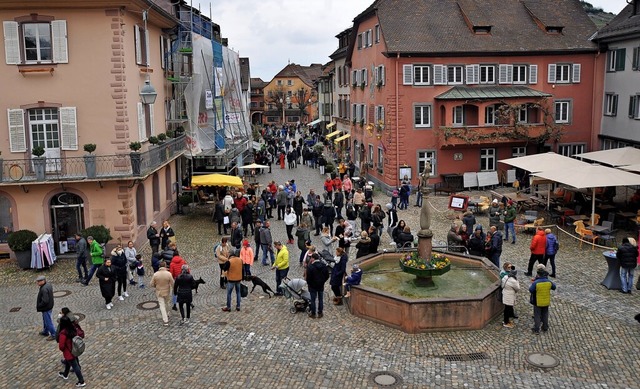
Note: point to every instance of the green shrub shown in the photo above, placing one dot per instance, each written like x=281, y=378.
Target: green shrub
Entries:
x=185, y=200
x=100, y=233
x=21, y=240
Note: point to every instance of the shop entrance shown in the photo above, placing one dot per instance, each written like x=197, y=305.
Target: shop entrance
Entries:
x=67, y=216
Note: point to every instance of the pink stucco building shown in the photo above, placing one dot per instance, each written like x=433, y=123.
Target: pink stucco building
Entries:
x=71, y=75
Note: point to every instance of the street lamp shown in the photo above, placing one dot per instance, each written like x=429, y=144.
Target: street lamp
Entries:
x=148, y=93
x=288, y=102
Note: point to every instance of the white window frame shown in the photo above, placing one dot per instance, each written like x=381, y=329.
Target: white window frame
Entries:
x=141, y=40
x=562, y=111
x=424, y=156
x=424, y=108
x=457, y=72
x=380, y=160
x=520, y=73
x=15, y=47
x=518, y=151
x=562, y=73
x=376, y=34
x=289, y=82
x=523, y=114
x=363, y=76
x=571, y=149
x=634, y=106
x=457, y=118
x=610, y=104
x=490, y=112
x=488, y=159
x=370, y=160
x=488, y=73
x=421, y=75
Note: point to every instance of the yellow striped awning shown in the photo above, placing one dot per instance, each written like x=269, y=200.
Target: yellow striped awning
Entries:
x=333, y=134
x=343, y=137
x=331, y=125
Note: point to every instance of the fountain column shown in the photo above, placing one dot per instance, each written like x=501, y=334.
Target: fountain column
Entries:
x=425, y=234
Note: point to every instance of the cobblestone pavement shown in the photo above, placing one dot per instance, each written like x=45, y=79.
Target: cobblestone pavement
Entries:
x=592, y=332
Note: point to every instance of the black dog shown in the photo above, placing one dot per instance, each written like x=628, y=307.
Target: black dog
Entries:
x=196, y=284
x=258, y=282
x=637, y=317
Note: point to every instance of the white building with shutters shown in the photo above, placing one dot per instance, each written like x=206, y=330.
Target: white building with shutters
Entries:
x=463, y=86
x=71, y=76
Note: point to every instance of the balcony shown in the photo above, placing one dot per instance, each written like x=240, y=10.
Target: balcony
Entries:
x=107, y=167
x=482, y=135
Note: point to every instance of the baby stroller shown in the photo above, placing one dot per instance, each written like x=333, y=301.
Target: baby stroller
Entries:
x=296, y=291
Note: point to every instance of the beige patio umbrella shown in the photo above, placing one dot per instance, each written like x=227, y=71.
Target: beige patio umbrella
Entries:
x=253, y=166
x=614, y=157
x=541, y=162
x=590, y=176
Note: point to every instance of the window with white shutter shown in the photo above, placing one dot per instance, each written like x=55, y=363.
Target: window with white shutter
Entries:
x=17, y=136
x=380, y=80
x=142, y=128
x=11, y=42
x=141, y=38
x=533, y=74
x=575, y=75
x=152, y=126
x=354, y=77
x=407, y=74
x=35, y=42
x=551, y=73
x=439, y=74
x=364, y=77
x=68, y=128
x=472, y=74
x=59, y=38
x=505, y=74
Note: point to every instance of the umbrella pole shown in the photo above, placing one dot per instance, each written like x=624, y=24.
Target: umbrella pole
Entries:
x=548, y=195
x=593, y=204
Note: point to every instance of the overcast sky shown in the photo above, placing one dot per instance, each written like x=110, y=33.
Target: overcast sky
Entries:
x=273, y=32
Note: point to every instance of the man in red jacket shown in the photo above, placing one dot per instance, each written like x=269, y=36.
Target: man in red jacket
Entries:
x=537, y=247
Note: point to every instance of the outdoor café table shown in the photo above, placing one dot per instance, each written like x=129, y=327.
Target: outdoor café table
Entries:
x=575, y=218
x=598, y=229
x=612, y=279
x=519, y=199
x=629, y=216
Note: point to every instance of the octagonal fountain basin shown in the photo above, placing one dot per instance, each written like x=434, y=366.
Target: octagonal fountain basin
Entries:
x=464, y=298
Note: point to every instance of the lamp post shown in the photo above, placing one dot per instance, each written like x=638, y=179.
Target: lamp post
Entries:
x=148, y=93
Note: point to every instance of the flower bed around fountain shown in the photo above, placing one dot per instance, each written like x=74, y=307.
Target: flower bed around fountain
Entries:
x=438, y=265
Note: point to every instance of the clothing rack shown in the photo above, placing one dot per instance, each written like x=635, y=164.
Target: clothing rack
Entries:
x=43, y=254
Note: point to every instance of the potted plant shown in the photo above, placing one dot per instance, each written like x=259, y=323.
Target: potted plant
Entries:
x=154, y=140
x=162, y=137
x=20, y=243
x=39, y=162
x=136, y=158
x=90, y=159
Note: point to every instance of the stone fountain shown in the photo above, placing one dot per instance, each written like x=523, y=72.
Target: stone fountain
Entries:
x=411, y=301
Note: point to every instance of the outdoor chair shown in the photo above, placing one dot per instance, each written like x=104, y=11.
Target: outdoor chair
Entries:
x=609, y=236
x=596, y=220
x=585, y=234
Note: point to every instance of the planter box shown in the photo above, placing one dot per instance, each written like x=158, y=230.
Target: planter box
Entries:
x=424, y=273
x=24, y=259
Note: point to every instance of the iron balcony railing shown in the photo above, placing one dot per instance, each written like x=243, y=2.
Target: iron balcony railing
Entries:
x=91, y=167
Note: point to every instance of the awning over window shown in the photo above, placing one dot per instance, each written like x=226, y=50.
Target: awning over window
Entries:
x=313, y=123
x=333, y=134
x=343, y=137
x=489, y=92
x=331, y=125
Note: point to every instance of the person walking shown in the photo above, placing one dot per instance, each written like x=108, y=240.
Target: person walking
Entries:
x=281, y=201
x=218, y=215
x=223, y=253
x=317, y=210
x=44, y=305
x=82, y=249
x=303, y=235
x=130, y=253
x=162, y=280
x=256, y=239
x=107, y=277
x=69, y=330
x=281, y=265
x=317, y=274
x=289, y=221
x=495, y=246
x=551, y=249
x=298, y=206
x=328, y=214
x=119, y=263
x=266, y=244
x=233, y=267
x=537, y=247
x=154, y=237
x=182, y=289
x=509, y=220
x=627, y=255
x=337, y=275
x=540, y=291
x=510, y=286
x=95, y=251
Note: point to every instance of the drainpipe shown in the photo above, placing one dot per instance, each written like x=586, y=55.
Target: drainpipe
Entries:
x=397, y=124
x=594, y=136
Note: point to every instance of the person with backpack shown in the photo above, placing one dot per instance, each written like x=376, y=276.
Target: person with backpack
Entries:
x=71, y=343
x=317, y=275
x=551, y=249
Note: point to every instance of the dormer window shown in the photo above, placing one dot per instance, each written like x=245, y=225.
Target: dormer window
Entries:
x=482, y=30
x=554, y=29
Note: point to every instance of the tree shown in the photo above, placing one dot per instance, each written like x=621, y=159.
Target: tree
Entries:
x=303, y=98
x=277, y=97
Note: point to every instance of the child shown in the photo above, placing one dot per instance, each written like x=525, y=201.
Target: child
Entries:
x=353, y=279
x=246, y=255
x=140, y=270
x=394, y=199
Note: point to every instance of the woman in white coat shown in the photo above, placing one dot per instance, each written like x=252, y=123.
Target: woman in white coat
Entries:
x=510, y=286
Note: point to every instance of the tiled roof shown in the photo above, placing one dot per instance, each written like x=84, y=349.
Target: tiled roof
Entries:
x=308, y=74
x=624, y=24
x=446, y=26
x=489, y=92
x=258, y=83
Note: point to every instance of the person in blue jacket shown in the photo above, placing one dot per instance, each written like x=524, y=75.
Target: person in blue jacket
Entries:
x=353, y=279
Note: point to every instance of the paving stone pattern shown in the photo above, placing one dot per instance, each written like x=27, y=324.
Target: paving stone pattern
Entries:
x=592, y=332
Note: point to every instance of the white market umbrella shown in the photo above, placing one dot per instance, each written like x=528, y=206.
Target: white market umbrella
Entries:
x=541, y=162
x=590, y=176
x=614, y=157
x=253, y=166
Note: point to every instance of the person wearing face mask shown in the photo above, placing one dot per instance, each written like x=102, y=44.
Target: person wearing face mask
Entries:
x=107, y=277
x=119, y=263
